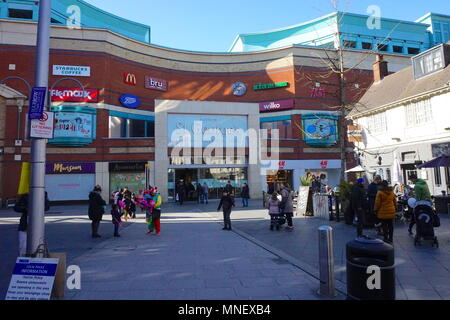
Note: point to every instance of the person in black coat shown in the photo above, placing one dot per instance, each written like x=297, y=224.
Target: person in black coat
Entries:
x=226, y=203
x=96, y=210
x=359, y=203
x=245, y=195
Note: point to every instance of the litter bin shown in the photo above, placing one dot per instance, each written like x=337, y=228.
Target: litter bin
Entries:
x=370, y=270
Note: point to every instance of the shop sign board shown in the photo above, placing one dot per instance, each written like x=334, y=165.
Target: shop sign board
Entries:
x=37, y=103
x=130, y=101
x=70, y=168
x=156, y=84
x=74, y=95
x=130, y=78
x=44, y=127
x=279, y=105
x=73, y=71
x=127, y=166
x=267, y=86
x=355, y=133
x=32, y=279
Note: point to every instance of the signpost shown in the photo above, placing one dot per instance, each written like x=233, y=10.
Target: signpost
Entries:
x=38, y=95
x=32, y=279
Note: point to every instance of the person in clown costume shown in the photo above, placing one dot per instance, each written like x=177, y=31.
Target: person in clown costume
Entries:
x=156, y=213
x=148, y=204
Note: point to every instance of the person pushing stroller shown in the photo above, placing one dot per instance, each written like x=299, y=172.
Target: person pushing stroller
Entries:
x=276, y=218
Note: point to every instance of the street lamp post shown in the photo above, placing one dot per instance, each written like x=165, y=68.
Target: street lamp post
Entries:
x=36, y=219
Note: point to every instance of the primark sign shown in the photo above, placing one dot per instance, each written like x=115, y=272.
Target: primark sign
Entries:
x=74, y=71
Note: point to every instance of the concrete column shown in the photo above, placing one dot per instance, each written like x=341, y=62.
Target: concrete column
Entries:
x=102, y=178
x=161, y=164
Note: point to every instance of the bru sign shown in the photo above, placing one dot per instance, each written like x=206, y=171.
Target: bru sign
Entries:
x=156, y=84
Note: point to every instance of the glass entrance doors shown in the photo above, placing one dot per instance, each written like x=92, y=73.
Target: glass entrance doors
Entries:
x=215, y=178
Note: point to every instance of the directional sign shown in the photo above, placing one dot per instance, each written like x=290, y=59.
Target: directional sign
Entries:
x=32, y=279
x=37, y=103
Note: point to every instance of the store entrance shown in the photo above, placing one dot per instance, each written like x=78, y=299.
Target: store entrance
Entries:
x=189, y=177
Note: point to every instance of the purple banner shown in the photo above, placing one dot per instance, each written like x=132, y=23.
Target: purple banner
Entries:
x=70, y=168
x=278, y=105
x=37, y=103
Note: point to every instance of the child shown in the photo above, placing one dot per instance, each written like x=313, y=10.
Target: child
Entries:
x=147, y=204
x=133, y=206
x=116, y=219
x=274, y=211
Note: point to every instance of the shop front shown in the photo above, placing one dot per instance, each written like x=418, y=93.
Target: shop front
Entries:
x=69, y=181
x=127, y=174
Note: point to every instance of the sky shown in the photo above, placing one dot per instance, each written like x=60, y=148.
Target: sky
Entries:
x=212, y=25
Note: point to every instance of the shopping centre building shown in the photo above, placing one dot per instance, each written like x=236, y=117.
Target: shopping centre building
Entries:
x=122, y=128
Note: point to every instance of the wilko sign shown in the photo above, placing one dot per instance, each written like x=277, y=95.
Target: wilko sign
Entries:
x=74, y=95
x=279, y=105
x=130, y=78
x=156, y=84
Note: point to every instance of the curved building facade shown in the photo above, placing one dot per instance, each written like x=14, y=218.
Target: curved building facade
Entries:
x=122, y=129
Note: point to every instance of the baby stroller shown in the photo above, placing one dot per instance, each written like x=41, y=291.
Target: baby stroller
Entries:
x=277, y=221
x=426, y=220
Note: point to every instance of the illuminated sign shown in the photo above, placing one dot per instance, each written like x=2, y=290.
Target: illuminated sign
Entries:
x=156, y=84
x=74, y=95
x=129, y=78
x=262, y=86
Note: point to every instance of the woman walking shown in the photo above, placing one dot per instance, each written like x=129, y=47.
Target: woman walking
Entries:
x=386, y=207
x=226, y=203
x=96, y=210
x=274, y=211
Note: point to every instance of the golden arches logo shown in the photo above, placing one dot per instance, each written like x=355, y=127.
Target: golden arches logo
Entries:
x=130, y=78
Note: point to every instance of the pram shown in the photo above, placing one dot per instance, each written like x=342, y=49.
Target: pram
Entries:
x=277, y=221
x=426, y=220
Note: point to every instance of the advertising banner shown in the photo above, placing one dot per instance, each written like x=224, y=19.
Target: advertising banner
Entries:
x=37, y=103
x=74, y=95
x=32, y=279
x=73, y=125
x=135, y=181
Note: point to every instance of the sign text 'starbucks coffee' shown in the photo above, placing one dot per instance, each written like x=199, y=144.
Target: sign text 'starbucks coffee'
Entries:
x=75, y=71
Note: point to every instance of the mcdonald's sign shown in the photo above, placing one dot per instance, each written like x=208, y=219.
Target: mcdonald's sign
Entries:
x=129, y=78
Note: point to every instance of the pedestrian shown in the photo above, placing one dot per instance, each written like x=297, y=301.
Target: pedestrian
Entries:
x=359, y=204
x=226, y=203
x=205, y=193
x=287, y=198
x=372, y=194
x=21, y=206
x=422, y=195
x=148, y=204
x=198, y=191
x=116, y=219
x=181, y=192
x=134, y=201
x=96, y=210
x=386, y=207
x=274, y=211
x=245, y=195
x=229, y=188
x=156, y=214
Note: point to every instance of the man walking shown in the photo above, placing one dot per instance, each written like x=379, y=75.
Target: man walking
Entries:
x=226, y=203
x=205, y=193
x=372, y=193
x=245, y=195
x=422, y=195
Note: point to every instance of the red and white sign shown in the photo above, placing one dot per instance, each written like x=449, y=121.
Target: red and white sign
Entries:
x=43, y=129
x=130, y=78
x=324, y=164
x=74, y=95
x=156, y=84
x=278, y=105
x=281, y=165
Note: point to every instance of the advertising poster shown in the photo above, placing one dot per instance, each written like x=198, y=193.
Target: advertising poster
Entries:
x=135, y=181
x=73, y=125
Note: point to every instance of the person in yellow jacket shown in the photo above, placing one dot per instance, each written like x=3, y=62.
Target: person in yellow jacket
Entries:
x=386, y=207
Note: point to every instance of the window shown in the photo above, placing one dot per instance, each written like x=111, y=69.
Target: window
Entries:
x=284, y=127
x=437, y=176
x=349, y=44
x=367, y=45
x=130, y=128
x=382, y=47
x=20, y=13
x=438, y=37
x=413, y=50
x=397, y=49
x=377, y=123
x=418, y=113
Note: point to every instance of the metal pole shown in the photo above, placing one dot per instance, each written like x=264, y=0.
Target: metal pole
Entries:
x=326, y=262
x=36, y=219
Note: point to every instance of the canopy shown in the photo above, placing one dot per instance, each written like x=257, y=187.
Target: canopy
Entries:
x=442, y=161
x=358, y=169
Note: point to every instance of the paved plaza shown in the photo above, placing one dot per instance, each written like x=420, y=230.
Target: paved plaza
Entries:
x=194, y=259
